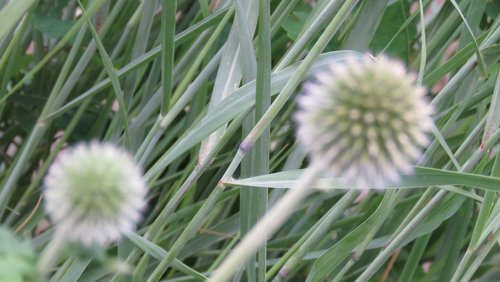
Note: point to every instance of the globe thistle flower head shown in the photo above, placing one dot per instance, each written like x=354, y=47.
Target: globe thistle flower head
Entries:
x=95, y=193
x=365, y=120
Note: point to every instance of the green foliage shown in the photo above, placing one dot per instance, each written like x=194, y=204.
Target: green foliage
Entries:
x=203, y=98
x=52, y=26
x=16, y=258
x=294, y=22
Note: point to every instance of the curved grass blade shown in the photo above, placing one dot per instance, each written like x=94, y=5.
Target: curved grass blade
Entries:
x=423, y=177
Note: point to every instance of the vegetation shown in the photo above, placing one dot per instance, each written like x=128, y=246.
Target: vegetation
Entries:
x=201, y=93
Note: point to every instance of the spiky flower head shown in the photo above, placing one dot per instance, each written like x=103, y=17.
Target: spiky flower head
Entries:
x=95, y=193
x=364, y=120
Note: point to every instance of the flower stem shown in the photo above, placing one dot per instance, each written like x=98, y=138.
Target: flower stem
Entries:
x=51, y=252
x=267, y=225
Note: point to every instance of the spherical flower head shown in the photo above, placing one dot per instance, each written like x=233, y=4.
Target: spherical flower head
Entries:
x=95, y=193
x=364, y=120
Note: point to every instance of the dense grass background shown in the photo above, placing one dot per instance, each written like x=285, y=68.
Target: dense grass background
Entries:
x=202, y=93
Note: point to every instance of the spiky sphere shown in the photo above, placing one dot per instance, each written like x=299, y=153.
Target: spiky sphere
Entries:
x=364, y=120
x=95, y=193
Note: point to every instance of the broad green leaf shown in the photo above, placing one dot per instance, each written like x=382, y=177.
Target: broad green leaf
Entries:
x=294, y=22
x=50, y=25
x=394, y=17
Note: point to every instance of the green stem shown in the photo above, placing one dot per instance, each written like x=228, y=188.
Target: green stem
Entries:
x=50, y=253
x=266, y=227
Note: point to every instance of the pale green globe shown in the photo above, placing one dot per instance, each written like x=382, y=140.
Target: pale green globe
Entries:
x=95, y=193
x=365, y=120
